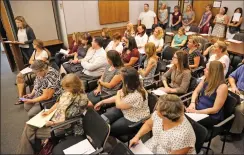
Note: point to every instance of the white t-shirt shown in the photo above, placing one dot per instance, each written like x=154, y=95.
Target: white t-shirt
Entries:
x=140, y=42
x=22, y=37
x=147, y=18
x=40, y=56
x=157, y=42
x=118, y=48
x=224, y=59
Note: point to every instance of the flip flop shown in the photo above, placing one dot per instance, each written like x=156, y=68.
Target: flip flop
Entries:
x=19, y=102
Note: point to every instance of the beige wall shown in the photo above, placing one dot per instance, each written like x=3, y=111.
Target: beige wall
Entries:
x=83, y=15
x=39, y=15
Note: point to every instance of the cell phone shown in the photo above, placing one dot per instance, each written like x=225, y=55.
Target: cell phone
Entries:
x=22, y=99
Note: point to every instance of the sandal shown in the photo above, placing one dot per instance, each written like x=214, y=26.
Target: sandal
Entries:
x=19, y=102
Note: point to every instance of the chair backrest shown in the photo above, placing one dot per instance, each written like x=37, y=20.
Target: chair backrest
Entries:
x=152, y=101
x=200, y=132
x=192, y=85
x=229, y=106
x=230, y=70
x=121, y=149
x=194, y=28
x=169, y=52
x=96, y=129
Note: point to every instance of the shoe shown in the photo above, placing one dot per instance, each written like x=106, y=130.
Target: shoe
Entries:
x=19, y=102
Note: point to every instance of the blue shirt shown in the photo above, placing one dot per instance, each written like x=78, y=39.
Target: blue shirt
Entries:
x=238, y=75
x=179, y=39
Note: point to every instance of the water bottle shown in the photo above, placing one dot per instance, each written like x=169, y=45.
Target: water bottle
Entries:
x=210, y=30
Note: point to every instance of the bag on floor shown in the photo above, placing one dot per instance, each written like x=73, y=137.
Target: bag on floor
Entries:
x=47, y=148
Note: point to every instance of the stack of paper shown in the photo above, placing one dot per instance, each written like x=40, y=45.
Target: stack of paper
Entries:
x=26, y=70
x=39, y=120
x=83, y=147
x=170, y=65
x=65, y=52
x=196, y=117
x=236, y=17
x=234, y=41
x=203, y=34
x=140, y=148
x=159, y=92
x=190, y=33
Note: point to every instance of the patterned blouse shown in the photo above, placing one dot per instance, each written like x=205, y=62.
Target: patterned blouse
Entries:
x=50, y=81
x=139, y=108
x=179, y=137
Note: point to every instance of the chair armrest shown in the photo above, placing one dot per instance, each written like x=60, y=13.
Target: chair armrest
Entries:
x=151, y=77
x=98, y=151
x=139, y=122
x=224, y=121
x=107, y=96
x=198, y=69
x=45, y=103
x=188, y=94
x=92, y=81
x=70, y=121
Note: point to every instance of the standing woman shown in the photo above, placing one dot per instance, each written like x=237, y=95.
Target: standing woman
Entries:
x=26, y=36
x=176, y=19
x=221, y=20
x=234, y=26
x=163, y=16
x=188, y=17
x=205, y=20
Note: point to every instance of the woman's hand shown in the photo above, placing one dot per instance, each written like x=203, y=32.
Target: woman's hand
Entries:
x=235, y=90
x=120, y=93
x=98, y=106
x=74, y=61
x=28, y=96
x=191, y=110
x=134, y=141
x=45, y=113
x=191, y=107
x=97, y=91
x=49, y=123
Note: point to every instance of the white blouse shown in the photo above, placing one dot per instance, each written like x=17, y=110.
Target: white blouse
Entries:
x=224, y=59
x=22, y=37
x=141, y=42
x=40, y=56
x=156, y=41
x=179, y=137
x=118, y=48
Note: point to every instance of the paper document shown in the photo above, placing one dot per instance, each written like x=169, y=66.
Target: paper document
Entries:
x=170, y=65
x=26, y=70
x=203, y=34
x=216, y=4
x=65, y=52
x=39, y=120
x=159, y=92
x=8, y=41
x=234, y=41
x=83, y=147
x=196, y=117
x=190, y=33
x=170, y=33
x=140, y=148
x=187, y=28
x=236, y=17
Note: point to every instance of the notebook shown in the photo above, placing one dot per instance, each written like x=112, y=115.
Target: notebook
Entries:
x=140, y=148
x=65, y=52
x=39, y=120
x=159, y=92
x=83, y=147
x=196, y=117
x=26, y=70
x=234, y=41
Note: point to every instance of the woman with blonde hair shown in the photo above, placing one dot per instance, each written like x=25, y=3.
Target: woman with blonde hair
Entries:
x=25, y=36
x=221, y=54
x=210, y=95
x=71, y=103
x=150, y=64
x=172, y=132
x=163, y=16
x=188, y=17
x=40, y=53
x=157, y=39
x=73, y=47
x=194, y=55
x=129, y=30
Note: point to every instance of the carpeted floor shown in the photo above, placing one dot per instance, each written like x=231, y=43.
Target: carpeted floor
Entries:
x=14, y=117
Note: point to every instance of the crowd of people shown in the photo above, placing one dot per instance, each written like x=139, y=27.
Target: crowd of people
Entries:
x=122, y=65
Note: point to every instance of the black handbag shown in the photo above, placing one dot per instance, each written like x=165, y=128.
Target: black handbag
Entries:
x=233, y=29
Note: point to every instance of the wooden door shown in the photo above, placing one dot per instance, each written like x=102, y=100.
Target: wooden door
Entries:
x=7, y=22
x=199, y=8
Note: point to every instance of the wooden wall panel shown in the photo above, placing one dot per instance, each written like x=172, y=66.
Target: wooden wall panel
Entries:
x=113, y=11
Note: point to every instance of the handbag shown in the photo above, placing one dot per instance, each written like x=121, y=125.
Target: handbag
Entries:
x=233, y=30
x=47, y=148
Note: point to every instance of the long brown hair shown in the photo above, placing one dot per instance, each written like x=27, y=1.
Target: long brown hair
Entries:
x=150, y=49
x=215, y=77
x=131, y=82
x=182, y=57
x=22, y=20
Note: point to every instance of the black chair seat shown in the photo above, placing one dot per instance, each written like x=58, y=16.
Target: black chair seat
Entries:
x=126, y=138
x=66, y=143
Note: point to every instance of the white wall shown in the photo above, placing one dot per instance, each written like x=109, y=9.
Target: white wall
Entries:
x=84, y=15
x=232, y=5
x=39, y=15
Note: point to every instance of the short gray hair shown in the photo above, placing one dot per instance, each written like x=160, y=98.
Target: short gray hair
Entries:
x=39, y=65
x=170, y=106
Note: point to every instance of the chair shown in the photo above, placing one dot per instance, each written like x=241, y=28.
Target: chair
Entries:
x=230, y=70
x=121, y=149
x=239, y=36
x=96, y=130
x=152, y=100
x=192, y=85
x=200, y=132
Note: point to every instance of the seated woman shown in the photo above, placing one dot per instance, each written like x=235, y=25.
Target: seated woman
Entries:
x=75, y=64
x=130, y=54
x=176, y=19
x=188, y=17
x=157, y=39
x=179, y=39
x=106, y=35
x=131, y=104
x=234, y=26
x=46, y=86
x=141, y=38
x=72, y=102
x=61, y=58
x=172, y=132
x=115, y=44
x=179, y=74
x=210, y=95
x=40, y=53
x=220, y=50
x=150, y=64
x=194, y=54
x=129, y=30
x=111, y=81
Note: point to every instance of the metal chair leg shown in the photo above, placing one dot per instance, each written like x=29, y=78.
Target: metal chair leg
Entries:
x=223, y=146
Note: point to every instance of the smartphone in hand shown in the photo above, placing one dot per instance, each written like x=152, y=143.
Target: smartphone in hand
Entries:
x=22, y=99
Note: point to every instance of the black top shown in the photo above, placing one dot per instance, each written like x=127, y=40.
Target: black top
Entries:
x=195, y=53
